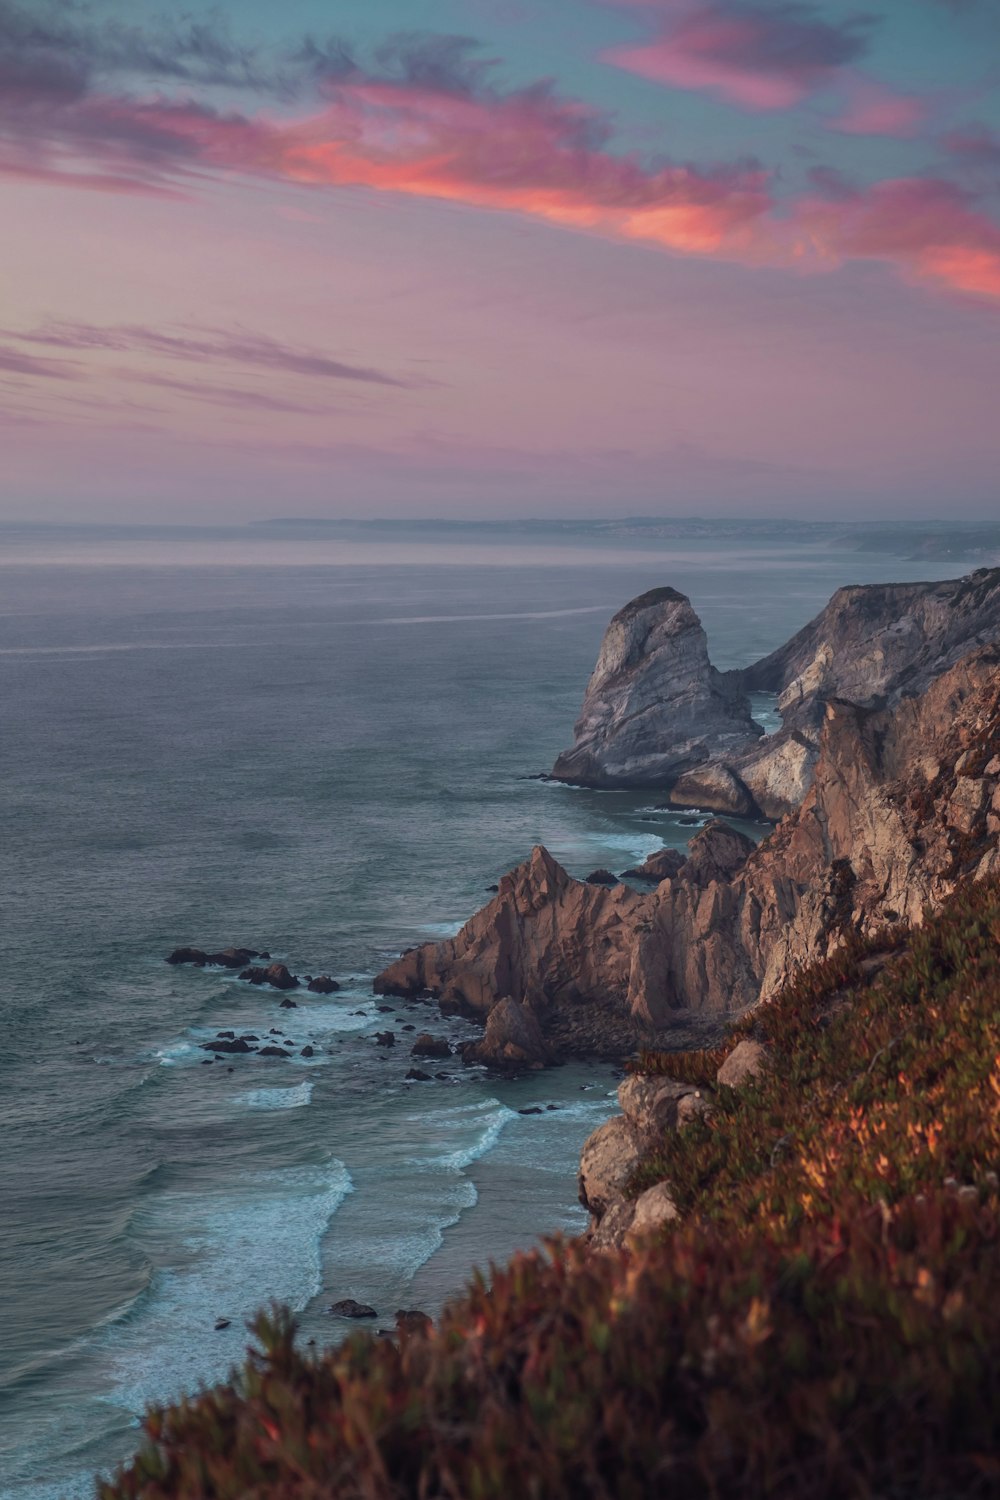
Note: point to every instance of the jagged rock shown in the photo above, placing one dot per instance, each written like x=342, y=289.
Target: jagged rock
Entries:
x=276, y=975
x=747, y=1060
x=716, y=853
x=611, y=1229
x=875, y=840
x=601, y=877
x=430, y=1046
x=662, y=864
x=228, y=1036
x=653, y=1208
x=239, y=1045
x=512, y=1039
x=287, y=1004
x=226, y=958
x=323, y=985
x=348, y=1308
x=713, y=788
x=610, y=1156
x=655, y=706
x=308, y=1052
x=385, y=1039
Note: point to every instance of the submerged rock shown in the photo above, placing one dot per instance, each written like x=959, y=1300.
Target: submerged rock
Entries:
x=417, y=1075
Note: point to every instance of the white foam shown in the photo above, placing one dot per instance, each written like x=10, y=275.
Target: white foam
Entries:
x=287, y=1098
x=242, y=1248
x=488, y=1117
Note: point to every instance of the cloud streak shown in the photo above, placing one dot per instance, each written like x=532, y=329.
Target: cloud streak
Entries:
x=255, y=350
x=763, y=57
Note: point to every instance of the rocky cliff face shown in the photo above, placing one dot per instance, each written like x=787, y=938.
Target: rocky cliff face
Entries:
x=657, y=713
x=903, y=803
x=655, y=706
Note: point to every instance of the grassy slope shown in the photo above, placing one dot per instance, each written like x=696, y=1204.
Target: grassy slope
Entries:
x=824, y=1322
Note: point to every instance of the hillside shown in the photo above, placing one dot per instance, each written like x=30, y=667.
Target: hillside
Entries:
x=820, y=1320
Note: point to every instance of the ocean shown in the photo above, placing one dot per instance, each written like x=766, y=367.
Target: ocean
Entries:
x=321, y=745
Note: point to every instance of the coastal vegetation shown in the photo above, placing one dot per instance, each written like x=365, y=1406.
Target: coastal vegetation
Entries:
x=820, y=1321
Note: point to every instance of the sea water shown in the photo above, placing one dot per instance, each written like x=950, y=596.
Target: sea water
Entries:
x=321, y=747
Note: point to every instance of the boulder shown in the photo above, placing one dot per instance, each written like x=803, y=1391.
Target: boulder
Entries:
x=287, y=1004
x=411, y=1321
x=323, y=985
x=417, y=1075
x=239, y=1045
x=662, y=864
x=650, y=1104
x=512, y=1039
x=233, y=958
x=308, y=1052
x=601, y=877
x=610, y=1156
x=348, y=1308
x=275, y=975
x=653, y=1208
x=746, y=1061
x=430, y=1046
x=272, y=1051
x=717, y=853
x=713, y=788
x=188, y=956
x=385, y=1039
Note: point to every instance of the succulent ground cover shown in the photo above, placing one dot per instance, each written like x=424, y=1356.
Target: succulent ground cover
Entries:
x=822, y=1323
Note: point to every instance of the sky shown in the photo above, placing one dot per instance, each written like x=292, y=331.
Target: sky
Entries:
x=499, y=258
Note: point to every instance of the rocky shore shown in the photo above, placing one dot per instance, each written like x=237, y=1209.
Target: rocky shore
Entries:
x=902, y=803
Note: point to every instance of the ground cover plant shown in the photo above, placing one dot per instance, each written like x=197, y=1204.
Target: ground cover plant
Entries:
x=822, y=1323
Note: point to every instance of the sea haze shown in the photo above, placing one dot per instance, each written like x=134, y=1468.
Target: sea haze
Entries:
x=321, y=745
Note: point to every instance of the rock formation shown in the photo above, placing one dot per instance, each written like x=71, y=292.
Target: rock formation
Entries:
x=657, y=713
x=904, y=802
x=655, y=706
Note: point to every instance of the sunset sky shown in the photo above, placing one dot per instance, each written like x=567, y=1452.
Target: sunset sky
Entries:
x=499, y=258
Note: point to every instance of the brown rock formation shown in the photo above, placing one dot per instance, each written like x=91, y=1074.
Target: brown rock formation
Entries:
x=903, y=802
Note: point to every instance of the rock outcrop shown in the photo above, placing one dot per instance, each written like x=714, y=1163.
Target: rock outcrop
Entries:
x=655, y=706
x=657, y=713
x=904, y=802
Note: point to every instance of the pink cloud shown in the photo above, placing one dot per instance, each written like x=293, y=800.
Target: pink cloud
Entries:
x=873, y=109
x=925, y=227
x=755, y=56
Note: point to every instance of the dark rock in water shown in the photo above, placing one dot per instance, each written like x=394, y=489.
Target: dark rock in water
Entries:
x=272, y=1051
x=415, y=1075
x=493, y=889
x=408, y=1027
x=553, y=1106
x=274, y=1031
x=275, y=975
x=323, y=985
x=385, y=1039
x=534, y=1109
x=207, y=1062
x=411, y=1320
x=512, y=1039
x=386, y=1010
x=188, y=956
x=287, y=1004
x=247, y=1036
x=221, y=1323
x=308, y=1052
x=239, y=1045
x=348, y=1308
x=230, y=1036
x=430, y=1046
x=233, y=958
x=265, y=956
x=443, y=1076
x=601, y=877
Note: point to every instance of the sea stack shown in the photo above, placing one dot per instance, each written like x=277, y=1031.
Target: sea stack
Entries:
x=655, y=706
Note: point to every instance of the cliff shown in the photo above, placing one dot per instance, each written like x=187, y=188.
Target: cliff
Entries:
x=904, y=803
x=657, y=713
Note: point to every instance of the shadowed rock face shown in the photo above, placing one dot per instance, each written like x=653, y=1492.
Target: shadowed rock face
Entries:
x=903, y=804
x=655, y=706
x=657, y=713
